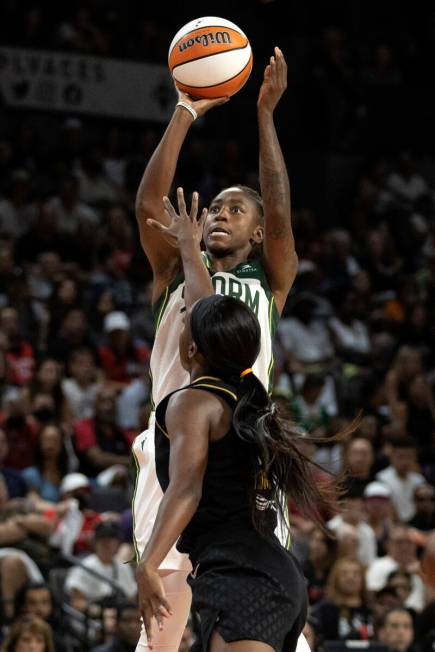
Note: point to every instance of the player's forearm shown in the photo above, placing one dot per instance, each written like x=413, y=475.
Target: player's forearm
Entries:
x=175, y=512
x=274, y=181
x=198, y=282
x=159, y=173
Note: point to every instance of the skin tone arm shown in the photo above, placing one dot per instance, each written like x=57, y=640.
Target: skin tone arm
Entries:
x=186, y=231
x=188, y=420
x=155, y=184
x=279, y=257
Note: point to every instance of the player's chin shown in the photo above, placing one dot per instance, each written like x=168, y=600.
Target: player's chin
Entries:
x=218, y=247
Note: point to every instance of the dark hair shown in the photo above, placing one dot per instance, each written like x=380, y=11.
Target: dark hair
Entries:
x=63, y=460
x=21, y=595
x=227, y=334
x=122, y=606
x=384, y=618
x=404, y=442
x=25, y=624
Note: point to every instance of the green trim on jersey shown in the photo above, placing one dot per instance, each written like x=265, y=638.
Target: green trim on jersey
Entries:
x=136, y=483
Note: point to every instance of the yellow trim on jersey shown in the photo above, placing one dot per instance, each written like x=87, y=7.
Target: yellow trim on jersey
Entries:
x=162, y=430
x=136, y=463
x=221, y=389
x=163, y=306
x=202, y=377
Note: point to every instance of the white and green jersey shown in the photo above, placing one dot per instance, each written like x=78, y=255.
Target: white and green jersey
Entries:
x=246, y=282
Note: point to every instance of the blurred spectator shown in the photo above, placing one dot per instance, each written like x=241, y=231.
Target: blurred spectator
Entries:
x=322, y=550
x=19, y=353
x=83, y=587
x=21, y=431
x=16, y=486
x=29, y=634
x=349, y=333
x=380, y=513
x=128, y=624
x=358, y=461
x=47, y=380
x=309, y=407
x=69, y=209
x=133, y=404
x=43, y=235
x=352, y=513
x=405, y=183
x=99, y=442
x=401, y=478
x=74, y=533
x=81, y=385
x=304, y=338
x=406, y=365
x=419, y=417
x=73, y=334
x=36, y=599
x=344, y=614
x=401, y=582
x=121, y=358
x=397, y=630
x=51, y=465
x=24, y=534
x=424, y=499
x=401, y=554
x=17, y=211
x=95, y=186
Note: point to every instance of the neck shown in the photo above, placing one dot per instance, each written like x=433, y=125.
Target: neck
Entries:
x=350, y=601
x=197, y=371
x=228, y=261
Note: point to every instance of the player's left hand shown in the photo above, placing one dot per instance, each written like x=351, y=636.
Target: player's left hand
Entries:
x=184, y=226
x=152, y=599
x=274, y=83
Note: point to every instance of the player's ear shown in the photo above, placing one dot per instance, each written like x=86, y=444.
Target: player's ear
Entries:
x=192, y=350
x=257, y=235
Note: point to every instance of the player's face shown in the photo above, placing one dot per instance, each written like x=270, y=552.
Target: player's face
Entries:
x=232, y=223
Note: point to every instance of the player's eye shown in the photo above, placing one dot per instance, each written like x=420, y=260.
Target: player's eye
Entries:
x=213, y=209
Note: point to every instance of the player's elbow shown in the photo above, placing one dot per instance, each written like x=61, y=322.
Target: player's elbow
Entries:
x=188, y=492
x=146, y=208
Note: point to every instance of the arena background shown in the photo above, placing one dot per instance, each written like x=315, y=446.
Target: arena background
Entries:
x=84, y=98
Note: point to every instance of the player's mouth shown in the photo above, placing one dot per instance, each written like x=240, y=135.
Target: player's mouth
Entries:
x=218, y=231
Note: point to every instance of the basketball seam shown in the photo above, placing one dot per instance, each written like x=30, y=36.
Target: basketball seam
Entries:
x=220, y=83
x=211, y=54
x=205, y=27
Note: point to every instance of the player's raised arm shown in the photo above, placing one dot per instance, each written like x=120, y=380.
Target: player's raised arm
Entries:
x=280, y=259
x=156, y=183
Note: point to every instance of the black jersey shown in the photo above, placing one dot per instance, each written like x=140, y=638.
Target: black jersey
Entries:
x=229, y=480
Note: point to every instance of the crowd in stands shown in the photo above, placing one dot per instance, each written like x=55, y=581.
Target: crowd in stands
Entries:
x=356, y=341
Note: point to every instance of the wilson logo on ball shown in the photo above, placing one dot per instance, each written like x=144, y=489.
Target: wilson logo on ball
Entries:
x=206, y=40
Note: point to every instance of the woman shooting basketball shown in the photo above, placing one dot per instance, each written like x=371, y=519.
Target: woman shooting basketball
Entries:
x=237, y=222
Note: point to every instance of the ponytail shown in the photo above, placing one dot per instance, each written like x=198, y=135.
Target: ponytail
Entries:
x=228, y=334
x=281, y=469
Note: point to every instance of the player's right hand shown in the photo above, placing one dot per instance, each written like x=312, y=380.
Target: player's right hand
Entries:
x=200, y=106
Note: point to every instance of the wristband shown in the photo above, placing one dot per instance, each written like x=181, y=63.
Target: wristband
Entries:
x=187, y=106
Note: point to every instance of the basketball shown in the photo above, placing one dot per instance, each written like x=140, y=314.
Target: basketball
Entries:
x=210, y=57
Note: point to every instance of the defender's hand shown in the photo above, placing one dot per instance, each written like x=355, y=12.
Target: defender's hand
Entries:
x=183, y=226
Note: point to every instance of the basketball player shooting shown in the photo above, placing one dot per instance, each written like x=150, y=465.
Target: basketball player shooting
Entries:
x=239, y=225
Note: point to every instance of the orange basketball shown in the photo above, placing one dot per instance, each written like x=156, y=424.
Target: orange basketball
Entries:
x=210, y=57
